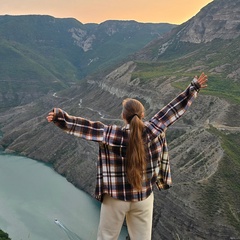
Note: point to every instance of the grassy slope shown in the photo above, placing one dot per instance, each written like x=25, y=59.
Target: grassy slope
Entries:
x=218, y=85
x=217, y=60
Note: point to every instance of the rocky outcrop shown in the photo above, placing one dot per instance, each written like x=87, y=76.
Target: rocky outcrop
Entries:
x=216, y=23
x=218, y=20
x=82, y=39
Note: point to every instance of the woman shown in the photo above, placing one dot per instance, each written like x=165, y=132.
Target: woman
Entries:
x=131, y=159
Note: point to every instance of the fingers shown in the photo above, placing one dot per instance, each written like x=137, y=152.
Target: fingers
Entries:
x=202, y=80
x=50, y=116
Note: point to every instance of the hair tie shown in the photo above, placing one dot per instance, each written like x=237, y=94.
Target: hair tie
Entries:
x=133, y=117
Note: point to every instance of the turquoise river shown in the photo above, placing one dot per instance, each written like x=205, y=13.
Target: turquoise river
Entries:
x=36, y=203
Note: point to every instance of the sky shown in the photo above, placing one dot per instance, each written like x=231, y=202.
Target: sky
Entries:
x=97, y=11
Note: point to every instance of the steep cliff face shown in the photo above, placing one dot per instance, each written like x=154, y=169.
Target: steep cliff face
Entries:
x=218, y=20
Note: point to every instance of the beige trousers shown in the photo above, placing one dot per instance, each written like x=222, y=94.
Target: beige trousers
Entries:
x=138, y=217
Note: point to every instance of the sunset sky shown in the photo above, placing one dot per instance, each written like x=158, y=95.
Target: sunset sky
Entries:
x=97, y=11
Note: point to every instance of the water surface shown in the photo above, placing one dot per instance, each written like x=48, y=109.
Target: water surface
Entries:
x=39, y=204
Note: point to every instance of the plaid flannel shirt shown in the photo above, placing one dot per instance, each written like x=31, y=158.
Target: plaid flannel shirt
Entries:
x=113, y=140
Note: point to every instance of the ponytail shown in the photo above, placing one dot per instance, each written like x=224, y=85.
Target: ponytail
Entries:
x=136, y=156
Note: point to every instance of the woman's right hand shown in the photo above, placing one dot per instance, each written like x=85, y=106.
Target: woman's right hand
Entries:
x=50, y=116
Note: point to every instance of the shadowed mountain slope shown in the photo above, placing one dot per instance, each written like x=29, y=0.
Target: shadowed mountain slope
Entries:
x=41, y=54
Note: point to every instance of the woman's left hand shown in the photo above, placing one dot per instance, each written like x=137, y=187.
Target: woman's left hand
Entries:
x=202, y=80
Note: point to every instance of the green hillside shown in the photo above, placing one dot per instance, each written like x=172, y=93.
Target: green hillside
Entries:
x=42, y=54
x=218, y=59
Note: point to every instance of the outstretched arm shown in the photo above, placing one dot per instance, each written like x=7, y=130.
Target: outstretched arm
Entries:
x=77, y=126
x=178, y=106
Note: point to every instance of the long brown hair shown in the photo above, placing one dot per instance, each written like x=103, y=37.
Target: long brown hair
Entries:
x=132, y=113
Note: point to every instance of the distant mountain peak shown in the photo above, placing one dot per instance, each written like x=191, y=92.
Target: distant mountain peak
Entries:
x=218, y=20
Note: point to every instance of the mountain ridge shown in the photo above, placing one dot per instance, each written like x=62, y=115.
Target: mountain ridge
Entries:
x=217, y=21
x=52, y=53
